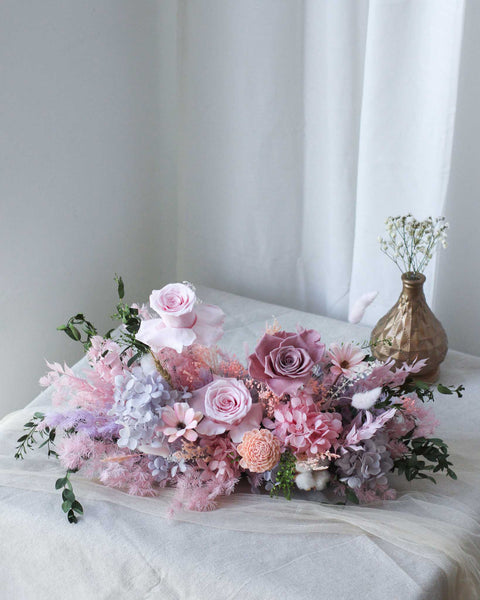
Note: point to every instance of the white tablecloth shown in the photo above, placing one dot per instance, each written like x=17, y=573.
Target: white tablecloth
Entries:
x=123, y=548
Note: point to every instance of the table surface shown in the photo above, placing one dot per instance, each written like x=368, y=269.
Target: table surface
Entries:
x=124, y=550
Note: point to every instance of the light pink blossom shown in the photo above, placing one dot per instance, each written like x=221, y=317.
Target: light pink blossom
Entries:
x=180, y=421
x=360, y=431
x=182, y=322
x=227, y=405
x=299, y=425
x=346, y=359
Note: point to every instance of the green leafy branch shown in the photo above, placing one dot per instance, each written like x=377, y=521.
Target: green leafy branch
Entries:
x=425, y=456
x=73, y=332
x=79, y=329
x=425, y=391
x=28, y=440
x=70, y=505
x=285, y=477
x=129, y=317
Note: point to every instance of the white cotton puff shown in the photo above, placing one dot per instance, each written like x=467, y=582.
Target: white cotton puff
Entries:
x=321, y=479
x=305, y=481
x=360, y=306
x=148, y=364
x=365, y=400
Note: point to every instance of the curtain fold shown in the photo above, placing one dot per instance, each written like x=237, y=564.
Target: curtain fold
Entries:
x=303, y=124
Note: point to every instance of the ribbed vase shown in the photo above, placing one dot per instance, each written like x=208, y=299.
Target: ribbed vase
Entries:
x=413, y=330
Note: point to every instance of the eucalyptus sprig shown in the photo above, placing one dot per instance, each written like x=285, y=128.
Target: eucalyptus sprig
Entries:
x=285, y=477
x=425, y=391
x=79, y=329
x=425, y=456
x=70, y=505
x=73, y=332
x=129, y=317
x=28, y=440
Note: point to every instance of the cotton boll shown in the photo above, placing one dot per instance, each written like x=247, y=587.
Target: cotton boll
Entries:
x=148, y=364
x=365, y=400
x=305, y=481
x=302, y=467
x=321, y=479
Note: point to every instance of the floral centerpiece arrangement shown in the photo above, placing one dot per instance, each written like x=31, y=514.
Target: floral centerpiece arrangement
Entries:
x=160, y=404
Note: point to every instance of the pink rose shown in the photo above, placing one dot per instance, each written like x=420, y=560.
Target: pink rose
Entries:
x=174, y=303
x=182, y=321
x=227, y=406
x=284, y=361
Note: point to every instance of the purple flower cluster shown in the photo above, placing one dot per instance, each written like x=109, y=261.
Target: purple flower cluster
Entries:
x=368, y=465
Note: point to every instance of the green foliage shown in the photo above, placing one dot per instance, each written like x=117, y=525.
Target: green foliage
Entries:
x=87, y=329
x=80, y=330
x=351, y=496
x=425, y=391
x=70, y=505
x=28, y=440
x=285, y=477
x=425, y=456
x=129, y=317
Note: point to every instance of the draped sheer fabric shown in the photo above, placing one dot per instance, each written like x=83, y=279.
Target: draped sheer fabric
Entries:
x=440, y=524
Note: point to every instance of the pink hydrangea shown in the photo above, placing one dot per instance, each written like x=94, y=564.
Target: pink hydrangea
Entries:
x=299, y=425
x=222, y=458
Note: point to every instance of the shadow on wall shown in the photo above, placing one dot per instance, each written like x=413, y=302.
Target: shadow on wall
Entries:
x=458, y=290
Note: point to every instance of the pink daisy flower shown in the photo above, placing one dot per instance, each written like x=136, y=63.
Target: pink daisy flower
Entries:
x=180, y=421
x=345, y=359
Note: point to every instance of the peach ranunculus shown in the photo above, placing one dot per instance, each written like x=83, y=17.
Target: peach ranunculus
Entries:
x=260, y=450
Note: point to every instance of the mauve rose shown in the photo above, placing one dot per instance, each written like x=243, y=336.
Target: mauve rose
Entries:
x=226, y=405
x=284, y=361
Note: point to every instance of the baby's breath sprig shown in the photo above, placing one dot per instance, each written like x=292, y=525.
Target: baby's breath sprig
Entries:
x=411, y=243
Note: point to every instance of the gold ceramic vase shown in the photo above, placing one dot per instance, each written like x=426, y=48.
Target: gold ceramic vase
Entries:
x=413, y=330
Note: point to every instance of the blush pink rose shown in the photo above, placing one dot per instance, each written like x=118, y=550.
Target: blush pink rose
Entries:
x=226, y=405
x=182, y=321
x=174, y=303
x=284, y=361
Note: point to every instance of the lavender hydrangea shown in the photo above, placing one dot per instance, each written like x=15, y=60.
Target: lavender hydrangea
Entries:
x=139, y=398
x=162, y=468
x=368, y=465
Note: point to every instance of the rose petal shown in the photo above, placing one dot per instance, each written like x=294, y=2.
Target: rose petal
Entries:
x=207, y=427
x=251, y=421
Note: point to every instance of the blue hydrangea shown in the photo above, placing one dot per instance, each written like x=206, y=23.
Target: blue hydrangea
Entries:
x=139, y=399
x=369, y=465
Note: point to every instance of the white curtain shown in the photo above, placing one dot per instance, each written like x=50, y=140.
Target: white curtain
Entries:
x=301, y=126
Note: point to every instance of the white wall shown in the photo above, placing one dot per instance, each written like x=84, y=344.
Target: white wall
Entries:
x=85, y=153
x=458, y=289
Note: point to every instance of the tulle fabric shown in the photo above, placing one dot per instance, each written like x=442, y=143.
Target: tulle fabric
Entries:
x=437, y=526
